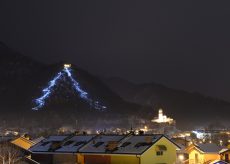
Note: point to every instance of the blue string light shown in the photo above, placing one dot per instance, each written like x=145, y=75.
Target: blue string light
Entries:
x=40, y=102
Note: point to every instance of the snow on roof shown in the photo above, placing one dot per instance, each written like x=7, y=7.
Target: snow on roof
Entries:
x=110, y=144
x=98, y=144
x=23, y=143
x=56, y=138
x=219, y=162
x=182, y=148
x=45, y=145
x=136, y=144
x=37, y=140
x=224, y=150
x=74, y=143
x=131, y=144
x=209, y=148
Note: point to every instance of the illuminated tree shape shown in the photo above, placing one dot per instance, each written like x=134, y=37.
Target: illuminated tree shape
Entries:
x=40, y=102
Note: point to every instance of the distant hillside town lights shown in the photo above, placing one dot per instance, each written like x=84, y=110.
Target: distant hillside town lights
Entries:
x=40, y=102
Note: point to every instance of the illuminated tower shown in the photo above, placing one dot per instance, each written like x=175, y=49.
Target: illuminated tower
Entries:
x=162, y=118
x=160, y=115
x=67, y=65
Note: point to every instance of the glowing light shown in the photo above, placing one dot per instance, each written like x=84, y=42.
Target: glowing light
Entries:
x=162, y=118
x=67, y=65
x=40, y=102
x=181, y=157
x=46, y=92
x=221, y=143
x=76, y=85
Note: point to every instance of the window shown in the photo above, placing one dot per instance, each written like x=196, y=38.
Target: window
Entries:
x=125, y=144
x=159, y=153
x=45, y=143
x=68, y=143
x=98, y=144
x=142, y=144
x=196, y=158
x=160, y=149
x=79, y=143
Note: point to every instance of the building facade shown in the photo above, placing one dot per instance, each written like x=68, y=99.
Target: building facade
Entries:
x=105, y=149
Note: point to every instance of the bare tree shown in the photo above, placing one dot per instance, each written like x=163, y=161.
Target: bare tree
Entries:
x=8, y=153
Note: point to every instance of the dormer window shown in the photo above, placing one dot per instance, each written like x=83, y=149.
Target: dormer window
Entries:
x=98, y=144
x=68, y=143
x=125, y=144
x=79, y=143
x=160, y=150
x=45, y=143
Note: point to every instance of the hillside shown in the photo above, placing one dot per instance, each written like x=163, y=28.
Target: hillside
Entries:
x=183, y=106
x=24, y=80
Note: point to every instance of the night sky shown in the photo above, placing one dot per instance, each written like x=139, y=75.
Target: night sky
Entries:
x=181, y=44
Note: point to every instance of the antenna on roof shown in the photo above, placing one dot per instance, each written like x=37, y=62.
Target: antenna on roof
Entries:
x=131, y=129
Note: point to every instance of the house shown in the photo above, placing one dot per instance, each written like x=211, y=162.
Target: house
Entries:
x=25, y=143
x=105, y=149
x=203, y=153
x=130, y=149
x=225, y=155
x=59, y=149
x=182, y=154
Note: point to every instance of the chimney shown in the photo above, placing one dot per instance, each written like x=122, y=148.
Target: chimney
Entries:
x=148, y=139
x=111, y=145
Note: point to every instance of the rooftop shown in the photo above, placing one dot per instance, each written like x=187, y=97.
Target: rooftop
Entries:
x=136, y=144
x=209, y=148
x=98, y=144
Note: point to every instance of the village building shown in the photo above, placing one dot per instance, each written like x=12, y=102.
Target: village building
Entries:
x=163, y=118
x=59, y=149
x=25, y=143
x=225, y=155
x=105, y=149
x=203, y=153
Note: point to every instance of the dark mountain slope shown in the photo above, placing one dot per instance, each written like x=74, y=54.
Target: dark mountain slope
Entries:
x=22, y=82
x=17, y=78
x=181, y=105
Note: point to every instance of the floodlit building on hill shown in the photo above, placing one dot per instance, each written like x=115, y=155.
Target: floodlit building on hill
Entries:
x=163, y=124
x=105, y=149
x=162, y=118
